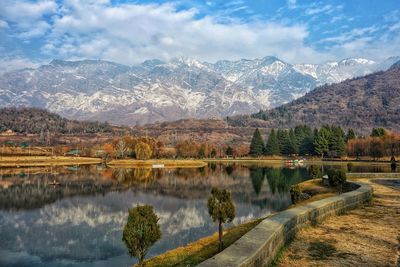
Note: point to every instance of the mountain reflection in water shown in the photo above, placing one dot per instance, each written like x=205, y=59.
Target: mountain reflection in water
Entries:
x=74, y=216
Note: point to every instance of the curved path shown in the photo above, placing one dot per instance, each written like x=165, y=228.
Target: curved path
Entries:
x=369, y=236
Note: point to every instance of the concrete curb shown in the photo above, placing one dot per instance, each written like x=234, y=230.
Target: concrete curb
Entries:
x=260, y=245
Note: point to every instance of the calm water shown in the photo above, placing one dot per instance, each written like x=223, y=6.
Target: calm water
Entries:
x=79, y=220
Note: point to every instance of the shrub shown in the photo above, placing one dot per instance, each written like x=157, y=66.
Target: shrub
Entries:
x=336, y=177
x=315, y=171
x=295, y=193
x=349, y=166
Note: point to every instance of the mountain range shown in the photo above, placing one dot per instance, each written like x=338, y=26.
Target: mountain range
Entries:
x=163, y=91
x=359, y=103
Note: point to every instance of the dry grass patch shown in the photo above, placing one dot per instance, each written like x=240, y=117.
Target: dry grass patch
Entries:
x=361, y=237
x=202, y=249
x=45, y=161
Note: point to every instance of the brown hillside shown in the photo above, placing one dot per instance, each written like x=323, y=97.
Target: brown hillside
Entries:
x=360, y=103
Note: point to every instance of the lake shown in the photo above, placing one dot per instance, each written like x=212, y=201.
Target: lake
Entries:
x=74, y=216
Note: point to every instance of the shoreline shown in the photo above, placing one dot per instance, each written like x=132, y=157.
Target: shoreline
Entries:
x=206, y=247
x=167, y=163
x=36, y=161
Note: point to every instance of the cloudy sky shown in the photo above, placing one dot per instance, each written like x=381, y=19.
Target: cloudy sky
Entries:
x=34, y=32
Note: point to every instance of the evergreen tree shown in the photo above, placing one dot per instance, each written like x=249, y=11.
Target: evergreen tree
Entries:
x=281, y=136
x=321, y=141
x=294, y=143
x=272, y=145
x=337, y=141
x=257, y=144
x=290, y=146
x=350, y=135
x=378, y=132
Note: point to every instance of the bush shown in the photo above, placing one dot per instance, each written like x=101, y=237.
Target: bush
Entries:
x=349, y=166
x=315, y=171
x=295, y=193
x=336, y=177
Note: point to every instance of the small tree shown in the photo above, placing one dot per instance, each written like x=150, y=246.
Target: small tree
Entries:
x=221, y=208
x=213, y=153
x=337, y=177
x=143, y=151
x=121, y=148
x=257, y=144
x=229, y=151
x=141, y=231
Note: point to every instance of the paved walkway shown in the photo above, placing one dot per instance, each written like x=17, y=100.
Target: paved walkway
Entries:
x=369, y=236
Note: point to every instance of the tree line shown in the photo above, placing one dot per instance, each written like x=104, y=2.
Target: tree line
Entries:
x=39, y=121
x=328, y=141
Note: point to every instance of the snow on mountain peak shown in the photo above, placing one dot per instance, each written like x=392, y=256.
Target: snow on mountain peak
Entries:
x=182, y=87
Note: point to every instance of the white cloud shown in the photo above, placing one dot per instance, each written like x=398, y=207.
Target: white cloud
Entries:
x=316, y=9
x=28, y=18
x=131, y=33
x=3, y=24
x=14, y=63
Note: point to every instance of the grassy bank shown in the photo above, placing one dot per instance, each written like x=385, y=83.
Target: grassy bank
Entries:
x=168, y=163
x=18, y=161
x=202, y=249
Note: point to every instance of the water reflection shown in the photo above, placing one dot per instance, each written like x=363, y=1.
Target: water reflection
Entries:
x=73, y=216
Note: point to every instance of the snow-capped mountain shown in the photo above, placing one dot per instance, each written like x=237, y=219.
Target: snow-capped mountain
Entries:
x=181, y=88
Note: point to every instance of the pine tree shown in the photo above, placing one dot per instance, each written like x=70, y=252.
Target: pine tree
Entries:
x=281, y=136
x=378, y=132
x=257, y=144
x=337, y=141
x=350, y=135
x=290, y=143
x=272, y=145
x=321, y=141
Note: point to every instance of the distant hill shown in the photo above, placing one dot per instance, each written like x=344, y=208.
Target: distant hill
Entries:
x=35, y=120
x=360, y=103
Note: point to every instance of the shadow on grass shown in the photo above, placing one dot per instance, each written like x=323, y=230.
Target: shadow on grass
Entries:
x=321, y=250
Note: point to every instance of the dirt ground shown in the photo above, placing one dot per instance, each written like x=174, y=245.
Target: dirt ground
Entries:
x=368, y=236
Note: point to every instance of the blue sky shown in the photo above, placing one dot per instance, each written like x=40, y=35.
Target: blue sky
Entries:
x=34, y=32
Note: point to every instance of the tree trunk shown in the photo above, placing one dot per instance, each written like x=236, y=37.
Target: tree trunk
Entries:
x=141, y=260
x=221, y=244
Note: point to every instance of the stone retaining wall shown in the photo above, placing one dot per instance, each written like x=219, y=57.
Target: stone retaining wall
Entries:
x=259, y=246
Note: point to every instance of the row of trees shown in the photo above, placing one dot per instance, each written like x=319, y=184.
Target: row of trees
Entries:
x=329, y=140
x=375, y=146
x=146, y=147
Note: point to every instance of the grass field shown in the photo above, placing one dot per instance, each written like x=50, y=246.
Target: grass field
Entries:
x=17, y=161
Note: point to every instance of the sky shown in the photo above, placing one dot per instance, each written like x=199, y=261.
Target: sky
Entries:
x=129, y=32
